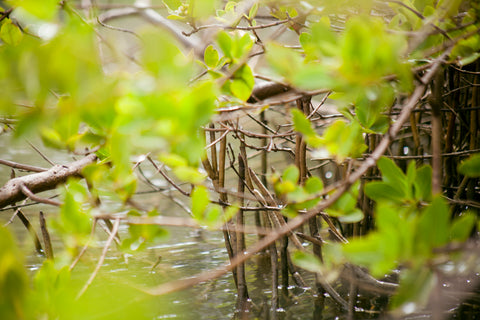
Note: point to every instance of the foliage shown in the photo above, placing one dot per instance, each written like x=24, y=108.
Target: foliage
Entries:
x=66, y=81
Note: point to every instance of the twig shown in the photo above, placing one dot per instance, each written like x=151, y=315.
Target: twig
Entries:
x=102, y=258
x=159, y=169
x=33, y=197
x=26, y=167
x=41, y=153
x=117, y=28
x=46, y=237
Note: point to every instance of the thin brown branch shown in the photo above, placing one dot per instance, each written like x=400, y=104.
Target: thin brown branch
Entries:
x=33, y=197
x=21, y=166
x=46, y=237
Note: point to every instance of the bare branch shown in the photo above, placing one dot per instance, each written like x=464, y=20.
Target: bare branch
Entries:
x=12, y=191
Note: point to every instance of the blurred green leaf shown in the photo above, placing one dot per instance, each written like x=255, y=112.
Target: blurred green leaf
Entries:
x=301, y=123
x=307, y=261
x=461, y=228
x=200, y=201
x=242, y=83
x=352, y=216
x=471, y=166
x=291, y=174
x=75, y=222
x=313, y=185
x=13, y=278
x=46, y=9
x=423, y=183
x=343, y=140
x=10, y=33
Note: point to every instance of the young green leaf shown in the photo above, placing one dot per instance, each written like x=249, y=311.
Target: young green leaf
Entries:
x=211, y=57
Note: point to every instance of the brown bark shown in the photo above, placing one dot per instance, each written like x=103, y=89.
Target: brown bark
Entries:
x=12, y=192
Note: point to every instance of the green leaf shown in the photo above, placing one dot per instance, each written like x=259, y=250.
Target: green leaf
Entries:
x=10, y=33
x=13, y=278
x=172, y=4
x=307, y=261
x=462, y=226
x=301, y=123
x=225, y=43
x=200, y=201
x=74, y=220
x=242, y=83
x=253, y=11
x=376, y=252
x=391, y=173
x=211, y=57
x=378, y=191
x=313, y=76
x=471, y=166
x=411, y=173
x=284, y=61
x=346, y=204
x=343, y=140
x=189, y=174
x=313, y=185
x=353, y=216
x=433, y=227
x=213, y=216
x=45, y=9
x=242, y=45
x=51, y=138
x=423, y=183
x=202, y=8
x=173, y=160
x=291, y=174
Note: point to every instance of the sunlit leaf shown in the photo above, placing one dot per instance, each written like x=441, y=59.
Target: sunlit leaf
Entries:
x=10, y=33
